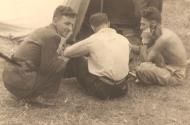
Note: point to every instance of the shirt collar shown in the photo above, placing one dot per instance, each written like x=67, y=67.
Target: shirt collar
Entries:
x=53, y=27
x=106, y=30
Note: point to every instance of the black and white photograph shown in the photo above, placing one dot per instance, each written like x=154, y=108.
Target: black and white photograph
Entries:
x=94, y=62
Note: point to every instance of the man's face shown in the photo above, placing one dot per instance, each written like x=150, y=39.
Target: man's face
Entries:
x=65, y=25
x=144, y=24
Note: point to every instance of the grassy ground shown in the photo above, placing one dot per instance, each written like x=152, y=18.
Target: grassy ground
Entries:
x=143, y=105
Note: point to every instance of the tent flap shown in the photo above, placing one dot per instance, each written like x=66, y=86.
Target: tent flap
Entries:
x=80, y=7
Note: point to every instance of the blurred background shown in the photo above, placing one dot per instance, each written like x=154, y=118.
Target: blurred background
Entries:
x=28, y=13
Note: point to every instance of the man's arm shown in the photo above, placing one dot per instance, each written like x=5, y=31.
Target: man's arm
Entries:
x=78, y=49
x=144, y=53
x=49, y=56
x=159, y=45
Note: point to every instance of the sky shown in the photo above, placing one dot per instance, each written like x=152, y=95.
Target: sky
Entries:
x=28, y=13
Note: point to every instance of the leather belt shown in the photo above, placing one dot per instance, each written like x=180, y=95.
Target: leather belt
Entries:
x=110, y=81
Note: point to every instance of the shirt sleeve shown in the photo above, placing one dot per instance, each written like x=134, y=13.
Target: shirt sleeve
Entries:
x=78, y=49
x=49, y=57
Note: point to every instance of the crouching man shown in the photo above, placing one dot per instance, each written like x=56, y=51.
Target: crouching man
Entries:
x=40, y=69
x=164, y=53
x=101, y=61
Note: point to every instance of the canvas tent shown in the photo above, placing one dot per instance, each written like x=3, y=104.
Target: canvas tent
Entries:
x=124, y=14
x=32, y=14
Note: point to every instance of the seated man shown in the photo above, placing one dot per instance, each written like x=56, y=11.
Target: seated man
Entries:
x=40, y=69
x=166, y=59
x=104, y=70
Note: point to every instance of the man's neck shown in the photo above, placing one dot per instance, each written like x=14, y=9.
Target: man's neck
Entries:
x=101, y=27
x=54, y=27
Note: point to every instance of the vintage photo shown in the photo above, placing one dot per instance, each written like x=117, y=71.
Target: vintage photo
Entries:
x=94, y=62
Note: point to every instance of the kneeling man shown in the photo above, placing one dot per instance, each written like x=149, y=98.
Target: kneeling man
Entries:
x=166, y=59
x=102, y=63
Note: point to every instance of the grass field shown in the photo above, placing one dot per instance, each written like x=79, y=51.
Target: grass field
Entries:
x=144, y=105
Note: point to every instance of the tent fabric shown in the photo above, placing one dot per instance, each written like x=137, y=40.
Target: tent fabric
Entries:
x=80, y=7
x=37, y=13
x=139, y=5
x=122, y=13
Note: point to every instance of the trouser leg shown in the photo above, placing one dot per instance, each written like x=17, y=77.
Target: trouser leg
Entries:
x=85, y=79
x=149, y=73
x=18, y=81
x=50, y=71
x=106, y=91
x=92, y=84
x=47, y=85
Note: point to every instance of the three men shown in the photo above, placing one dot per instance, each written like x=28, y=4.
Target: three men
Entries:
x=40, y=69
x=103, y=70
x=100, y=62
x=166, y=60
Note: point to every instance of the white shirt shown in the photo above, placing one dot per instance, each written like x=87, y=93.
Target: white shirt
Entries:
x=108, y=53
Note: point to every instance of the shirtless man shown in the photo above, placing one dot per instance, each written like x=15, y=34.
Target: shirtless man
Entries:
x=164, y=45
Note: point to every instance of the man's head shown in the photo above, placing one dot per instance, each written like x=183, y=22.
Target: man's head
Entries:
x=64, y=18
x=150, y=16
x=98, y=21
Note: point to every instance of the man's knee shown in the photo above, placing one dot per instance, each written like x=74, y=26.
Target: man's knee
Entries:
x=151, y=74
x=143, y=68
x=146, y=73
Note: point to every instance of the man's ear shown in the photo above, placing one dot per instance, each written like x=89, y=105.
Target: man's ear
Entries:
x=153, y=27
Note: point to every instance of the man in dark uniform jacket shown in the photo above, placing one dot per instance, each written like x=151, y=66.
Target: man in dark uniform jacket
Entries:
x=40, y=69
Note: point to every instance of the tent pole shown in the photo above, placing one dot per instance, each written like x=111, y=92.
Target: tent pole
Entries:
x=102, y=6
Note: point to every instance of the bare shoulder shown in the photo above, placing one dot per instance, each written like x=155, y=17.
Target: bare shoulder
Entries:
x=169, y=35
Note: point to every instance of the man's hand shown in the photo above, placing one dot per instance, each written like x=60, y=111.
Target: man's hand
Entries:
x=60, y=48
x=64, y=58
x=146, y=36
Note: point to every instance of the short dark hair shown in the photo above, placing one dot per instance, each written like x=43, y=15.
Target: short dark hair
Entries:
x=98, y=19
x=152, y=13
x=63, y=11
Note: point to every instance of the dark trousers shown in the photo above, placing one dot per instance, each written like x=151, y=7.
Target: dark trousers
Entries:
x=94, y=86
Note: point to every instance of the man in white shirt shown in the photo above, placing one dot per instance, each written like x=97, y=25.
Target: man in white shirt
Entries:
x=103, y=73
